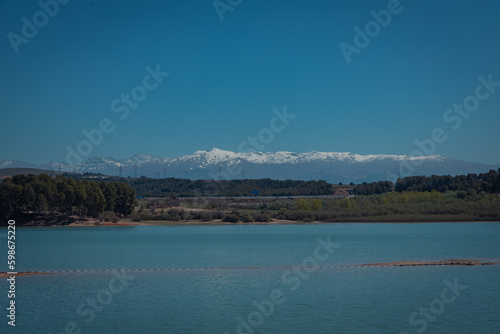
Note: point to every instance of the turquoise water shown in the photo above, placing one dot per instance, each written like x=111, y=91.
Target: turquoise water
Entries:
x=270, y=298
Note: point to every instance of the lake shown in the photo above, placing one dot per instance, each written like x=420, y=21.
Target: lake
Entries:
x=245, y=279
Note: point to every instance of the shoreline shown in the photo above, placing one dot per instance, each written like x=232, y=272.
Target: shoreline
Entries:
x=76, y=221
x=92, y=223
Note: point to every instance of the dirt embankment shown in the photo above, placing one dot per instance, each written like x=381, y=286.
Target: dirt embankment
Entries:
x=429, y=263
x=382, y=264
x=63, y=220
x=6, y=275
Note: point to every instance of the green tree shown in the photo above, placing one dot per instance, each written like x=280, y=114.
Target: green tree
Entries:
x=10, y=198
x=95, y=201
x=28, y=198
x=302, y=204
x=317, y=204
x=41, y=204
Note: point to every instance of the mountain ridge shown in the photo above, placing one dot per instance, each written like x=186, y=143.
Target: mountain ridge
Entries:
x=330, y=166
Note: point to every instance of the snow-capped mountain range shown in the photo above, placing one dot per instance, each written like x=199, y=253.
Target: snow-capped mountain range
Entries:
x=329, y=166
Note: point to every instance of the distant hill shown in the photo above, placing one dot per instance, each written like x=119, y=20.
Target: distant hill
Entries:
x=7, y=172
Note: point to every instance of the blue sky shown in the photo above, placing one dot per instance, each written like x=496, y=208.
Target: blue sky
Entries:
x=225, y=77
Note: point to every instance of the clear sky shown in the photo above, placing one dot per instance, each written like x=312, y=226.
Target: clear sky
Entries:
x=226, y=76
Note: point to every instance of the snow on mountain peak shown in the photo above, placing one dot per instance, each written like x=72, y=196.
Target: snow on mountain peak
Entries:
x=330, y=166
x=216, y=155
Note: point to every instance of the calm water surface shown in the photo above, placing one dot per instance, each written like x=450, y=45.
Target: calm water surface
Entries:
x=270, y=298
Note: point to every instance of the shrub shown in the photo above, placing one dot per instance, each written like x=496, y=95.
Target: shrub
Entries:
x=136, y=218
x=246, y=218
x=317, y=204
x=175, y=214
x=217, y=215
x=282, y=214
x=205, y=216
x=145, y=216
x=108, y=216
x=261, y=217
x=307, y=219
x=232, y=218
x=302, y=204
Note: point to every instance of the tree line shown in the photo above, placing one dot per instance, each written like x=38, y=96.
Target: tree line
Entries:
x=484, y=182
x=374, y=188
x=30, y=193
x=148, y=187
x=488, y=182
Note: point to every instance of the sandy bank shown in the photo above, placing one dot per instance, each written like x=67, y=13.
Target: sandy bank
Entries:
x=459, y=262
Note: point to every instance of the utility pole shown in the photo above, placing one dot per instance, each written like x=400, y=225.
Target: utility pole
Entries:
x=220, y=170
x=164, y=172
x=120, y=170
x=135, y=170
x=242, y=176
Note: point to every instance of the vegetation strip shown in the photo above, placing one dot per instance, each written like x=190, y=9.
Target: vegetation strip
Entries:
x=386, y=264
x=46, y=201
